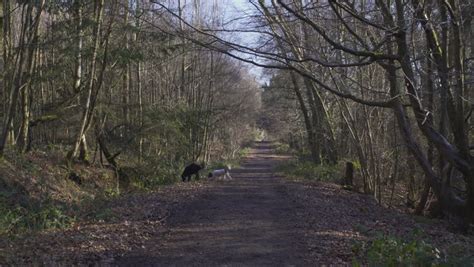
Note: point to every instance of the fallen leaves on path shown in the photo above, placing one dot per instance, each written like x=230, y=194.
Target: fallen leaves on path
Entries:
x=130, y=222
x=337, y=220
x=332, y=222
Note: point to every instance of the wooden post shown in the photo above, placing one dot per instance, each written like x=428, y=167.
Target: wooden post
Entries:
x=349, y=177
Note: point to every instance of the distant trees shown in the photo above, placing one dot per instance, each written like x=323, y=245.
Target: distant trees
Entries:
x=19, y=66
x=114, y=79
x=410, y=58
x=385, y=82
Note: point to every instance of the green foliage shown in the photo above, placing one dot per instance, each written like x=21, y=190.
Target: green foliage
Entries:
x=177, y=131
x=105, y=214
x=167, y=131
x=8, y=218
x=111, y=193
x=170, y=132
x=160, y=178
x=154, y=173
x=282, y=148
x=392, y=251
x=244, y=152
x=46, y=215
x=126, y=56
x=310, y=170
x=356, y=163
x=259, y=135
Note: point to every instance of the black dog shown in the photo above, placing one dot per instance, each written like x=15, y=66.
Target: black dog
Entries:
x=191, y=169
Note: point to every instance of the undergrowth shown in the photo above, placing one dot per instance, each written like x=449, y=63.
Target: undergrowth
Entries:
x=156, y=174
x=156, y=177
x=21, y=212
x=394, y=251
x=282, y=148
x=15, y=219
x=309, y=170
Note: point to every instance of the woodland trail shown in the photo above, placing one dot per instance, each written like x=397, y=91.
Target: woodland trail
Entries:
x=256, y=219
x=249, y=220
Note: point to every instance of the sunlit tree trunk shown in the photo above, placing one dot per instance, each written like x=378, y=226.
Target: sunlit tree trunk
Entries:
x=22, y=71
x=126, y=67
x=24, y=134
x=86, y=113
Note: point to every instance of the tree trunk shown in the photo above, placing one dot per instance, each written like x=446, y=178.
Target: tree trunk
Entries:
x=14, y=75
x=86, y=114
x=126, y=70
x=78, y=72
x=23, y=135
x=349, y=176
x=429, y=95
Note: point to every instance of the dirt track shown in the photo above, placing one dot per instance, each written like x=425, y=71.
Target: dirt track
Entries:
x=249, y=220
x=256, y=219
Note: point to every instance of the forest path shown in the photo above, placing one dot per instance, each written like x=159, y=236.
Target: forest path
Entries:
x=249, y=220
x=256, y=219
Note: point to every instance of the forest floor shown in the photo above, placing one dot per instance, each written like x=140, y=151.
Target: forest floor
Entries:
x=257, y=218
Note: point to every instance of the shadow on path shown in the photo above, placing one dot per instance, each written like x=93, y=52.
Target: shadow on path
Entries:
x=246, y=221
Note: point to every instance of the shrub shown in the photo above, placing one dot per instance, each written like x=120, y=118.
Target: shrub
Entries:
x=46, y=215
x=155, y=180
x=392, y=251
x=105, y=214
x=8, y=218
x=282, y=148
x=243, y=152
x=310, y=170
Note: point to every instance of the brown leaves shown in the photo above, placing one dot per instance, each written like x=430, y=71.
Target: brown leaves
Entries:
x=330, y=221
x=337, y=219
x=130, y=223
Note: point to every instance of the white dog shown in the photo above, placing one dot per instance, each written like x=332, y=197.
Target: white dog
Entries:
x=221, y=173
